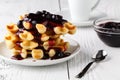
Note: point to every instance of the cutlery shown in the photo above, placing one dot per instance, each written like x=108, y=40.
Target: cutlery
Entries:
x=101, y=55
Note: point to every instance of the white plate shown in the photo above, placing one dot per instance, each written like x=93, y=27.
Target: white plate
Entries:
x=6, y=55
x=93, y=16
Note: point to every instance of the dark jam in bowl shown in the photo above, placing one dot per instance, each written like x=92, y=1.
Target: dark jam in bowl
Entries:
x=112, y=40
x=109, y=33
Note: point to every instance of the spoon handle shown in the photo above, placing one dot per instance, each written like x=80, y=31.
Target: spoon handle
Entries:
x=81, y=74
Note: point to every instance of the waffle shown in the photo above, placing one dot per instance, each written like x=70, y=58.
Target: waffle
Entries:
x=38, y=35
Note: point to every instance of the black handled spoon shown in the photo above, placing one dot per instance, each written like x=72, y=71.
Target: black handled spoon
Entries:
x=101, y=55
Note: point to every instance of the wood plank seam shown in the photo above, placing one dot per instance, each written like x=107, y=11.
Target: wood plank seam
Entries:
x=68, y=70
x=59, y=3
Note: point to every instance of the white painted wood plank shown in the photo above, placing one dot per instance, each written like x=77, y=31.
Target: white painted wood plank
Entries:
x=64, y=4
x=54, y=72
x=110, y=7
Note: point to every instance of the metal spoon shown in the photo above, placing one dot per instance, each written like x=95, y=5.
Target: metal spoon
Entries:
x=101, y=55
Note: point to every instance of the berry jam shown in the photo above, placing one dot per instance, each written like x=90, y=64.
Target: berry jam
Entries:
x=109, y=33
x=18, y=57
x=60, y=54
x=46, y=18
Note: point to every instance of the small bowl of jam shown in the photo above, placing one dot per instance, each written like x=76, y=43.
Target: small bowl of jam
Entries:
x=108, y=30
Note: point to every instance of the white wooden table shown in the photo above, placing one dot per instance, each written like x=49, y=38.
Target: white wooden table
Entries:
x=106, y=70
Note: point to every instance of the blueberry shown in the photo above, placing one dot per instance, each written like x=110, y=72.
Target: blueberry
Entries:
x=43, y=15
x=31, y=15
x=117, y=25
x=46, y=56
x=59, y=17
x=44, y=12
x=113, y=28
x=34, y=22
x=59, y=54
x=56, y=17
x=19, y=24
x=53, y=16
x=39, y=13
x=47, y=13
x=48, y=16
x=109, y=25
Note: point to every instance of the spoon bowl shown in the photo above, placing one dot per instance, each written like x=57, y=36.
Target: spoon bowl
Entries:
x=101, y=55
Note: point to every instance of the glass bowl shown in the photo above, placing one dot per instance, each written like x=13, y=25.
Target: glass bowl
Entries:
x=108, y=30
